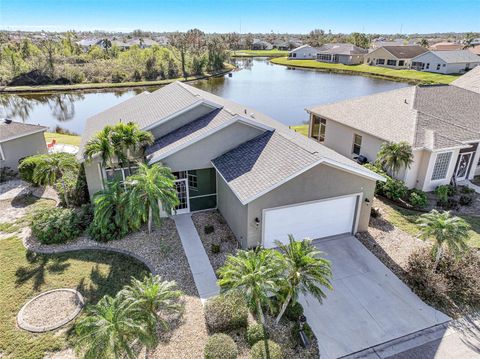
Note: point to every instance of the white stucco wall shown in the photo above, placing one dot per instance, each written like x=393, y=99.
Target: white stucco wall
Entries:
x=445, y=68
x=381, y=53
x=430, y=185
x=304, y=53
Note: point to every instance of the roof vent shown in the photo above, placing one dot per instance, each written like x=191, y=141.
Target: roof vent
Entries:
x=7, y=121
x=245, y=111
x=252, y=115
x=406, y=101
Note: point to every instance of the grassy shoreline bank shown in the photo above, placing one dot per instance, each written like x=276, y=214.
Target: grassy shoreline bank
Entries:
x=410, y=76
x=105, y=85
x=259, y=53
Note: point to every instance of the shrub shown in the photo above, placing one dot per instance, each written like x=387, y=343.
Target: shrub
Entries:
x=381, y=172
x=443, y=193
x=295, y=332
x=375, y=212
x=226, y=312
x=56, y=225
x=465, y=200
x=417, y=198
x=27, y=167
x=466, y=190
x=266, y=350
x=294, y=311
x=76, y=188
x=215, y=248
x=209, y=229
x=394, y=189
x=85, y=216
x=220, y=346
x=255, y=333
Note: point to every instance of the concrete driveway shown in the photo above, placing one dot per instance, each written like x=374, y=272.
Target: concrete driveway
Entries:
x=368, y=306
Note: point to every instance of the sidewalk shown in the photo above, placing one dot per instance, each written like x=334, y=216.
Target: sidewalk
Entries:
x=202, y=270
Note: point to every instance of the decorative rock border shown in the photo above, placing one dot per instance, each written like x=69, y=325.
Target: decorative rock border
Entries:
x=22, y=323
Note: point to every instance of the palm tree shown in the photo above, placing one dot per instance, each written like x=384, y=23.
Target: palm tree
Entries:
x=152, y=295
x=52, y=168
x=101, y=144
x=306, y=271
x=110, y=207
x=424, y=43
x=128, y=139
x=148, y=188
x=111, y=329
x=255, y=274
x=393, y=156
x=447, y=231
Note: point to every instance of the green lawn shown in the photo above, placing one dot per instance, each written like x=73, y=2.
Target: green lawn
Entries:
x=24, y=275
x=400, y=75
x=259, y=53
x=405, y=220
x=302, y=129
x=60, y=138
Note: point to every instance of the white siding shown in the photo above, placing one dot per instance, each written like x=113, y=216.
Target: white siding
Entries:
x=304, y=53
x=434, y=61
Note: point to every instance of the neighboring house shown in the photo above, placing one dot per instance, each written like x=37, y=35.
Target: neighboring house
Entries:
x=395, y=57
x=304, y=52
x=19, y=140
x=265, y=179
x=281, y=45
x=446, y=62
x=439, y=122
x=347, y=54
x=122, y=45
x=446, y=46
x=470, y=81
x=143, y=43
x=381, y=42
x=475, y=49
x=261, y=45
x=86, y=44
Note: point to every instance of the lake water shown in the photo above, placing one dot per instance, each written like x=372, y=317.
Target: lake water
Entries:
x=278, y=91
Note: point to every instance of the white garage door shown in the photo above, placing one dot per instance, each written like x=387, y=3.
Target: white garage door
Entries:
x=309, y=220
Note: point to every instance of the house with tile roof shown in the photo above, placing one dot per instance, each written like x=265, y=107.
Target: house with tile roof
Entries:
x=469, y=81
x=446, y=62
x=439, y=122
x=267, y=180
x=395, y=57
x=19, y=140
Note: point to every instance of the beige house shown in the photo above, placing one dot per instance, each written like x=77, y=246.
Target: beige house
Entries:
x=395, y=57
x=19, y=140
x=439, y=122
x=265, y=179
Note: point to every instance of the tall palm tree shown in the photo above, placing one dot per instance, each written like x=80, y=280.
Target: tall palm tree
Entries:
x=110, y=207
x=52, y=168
x=128, y=139
x=101, y=144
x=255, y=274
x=152, y=296
x=448, y=232
x=393, y=156
x=147, y=189
x=306, y=271
x=111, y=328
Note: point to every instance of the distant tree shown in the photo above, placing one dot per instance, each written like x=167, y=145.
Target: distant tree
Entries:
x=107, y=45
x=468, y=42
x=248, y=41
x=232, y=40
x=216, y=53
x=360, y=40
x=424, y=42
x=179, y=41
x=316, y=38
x=48, y=48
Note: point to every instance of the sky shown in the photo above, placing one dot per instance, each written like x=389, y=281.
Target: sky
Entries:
x=279, y=16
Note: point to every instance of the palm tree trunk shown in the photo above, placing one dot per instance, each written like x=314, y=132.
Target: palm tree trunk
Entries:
x=65, y=194
x=150, y=219
x=284, y=307
x=438, y=256
x=260, y=313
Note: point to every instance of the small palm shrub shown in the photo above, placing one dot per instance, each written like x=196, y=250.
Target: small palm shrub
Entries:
x=417, y=198
x=255, y=333
x=209, y=229
x=266, y=349
x=465, y=200
x=215, y=248
x=56, y=225
x=443, y=192
x=220, y=346
x=226, y=312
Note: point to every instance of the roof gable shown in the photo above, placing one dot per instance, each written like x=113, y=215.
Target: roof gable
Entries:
x=10, y=130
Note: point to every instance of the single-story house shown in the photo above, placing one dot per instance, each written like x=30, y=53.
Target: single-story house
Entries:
x=347, y=54
x=261, y=45
x=395, y=57
x=281, y=45
x=380, y=42
x=86, y=44
x=265, y=179
x=304, y=52
x=475, y=49
x=446, y=46
x=439, y=122
x=19, y=140
x=470, y=81
x=446, y=62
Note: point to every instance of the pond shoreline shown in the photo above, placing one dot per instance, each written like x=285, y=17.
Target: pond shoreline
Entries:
x=44, y=89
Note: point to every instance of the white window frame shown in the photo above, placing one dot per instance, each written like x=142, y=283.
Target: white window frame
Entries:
x=356, y=144
x=432, y=179
x=2, y=155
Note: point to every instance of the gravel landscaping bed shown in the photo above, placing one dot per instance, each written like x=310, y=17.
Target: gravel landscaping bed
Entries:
x=222, y=235
x=390, y=244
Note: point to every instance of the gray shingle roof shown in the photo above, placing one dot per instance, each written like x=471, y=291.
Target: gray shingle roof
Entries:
x=457, y=56
x=433, y=117
x=470, y=81
x=343, y=49
x=405, y=52
x=14, y=129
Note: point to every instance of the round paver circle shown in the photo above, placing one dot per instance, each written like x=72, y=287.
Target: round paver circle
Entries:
x=50, y=310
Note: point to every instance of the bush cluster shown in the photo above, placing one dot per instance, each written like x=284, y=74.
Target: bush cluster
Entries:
x=294, y=311
x=455, y=282
x=56, y=225
x=266, y=350
x=255, y=333
x=220, y=346
x=226, y=312
x=417, y=198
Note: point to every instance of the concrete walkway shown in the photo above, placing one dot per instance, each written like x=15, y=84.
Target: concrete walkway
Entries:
x=202, y=270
